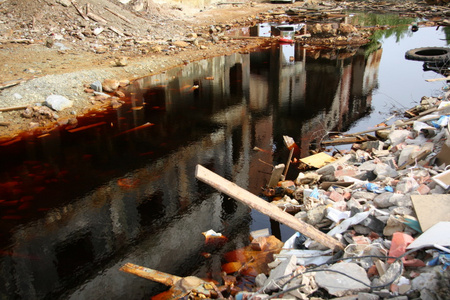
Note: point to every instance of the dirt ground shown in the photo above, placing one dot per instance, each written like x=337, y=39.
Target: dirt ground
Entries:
x=58, y=47
x=48, y=48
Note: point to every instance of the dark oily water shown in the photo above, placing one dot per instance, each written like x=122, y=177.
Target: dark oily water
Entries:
x=78, y=203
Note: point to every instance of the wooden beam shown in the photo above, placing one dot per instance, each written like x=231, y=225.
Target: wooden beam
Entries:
x=158, y=276
x=264, y=207
x=118, y=15
x=13, y=108
x=11, y=83
x=437, y=79
x=425, y=119
x=79, y=10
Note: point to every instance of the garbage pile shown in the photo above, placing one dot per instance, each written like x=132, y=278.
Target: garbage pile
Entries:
x=372, y=222
x=386, y=200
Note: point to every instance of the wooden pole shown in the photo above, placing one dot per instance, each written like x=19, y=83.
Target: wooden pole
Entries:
x=158, y=276
x=288, y=163
x=438, y=79
x=425, y=119
x=264, y=207
x=13, y=108
x=188, y=285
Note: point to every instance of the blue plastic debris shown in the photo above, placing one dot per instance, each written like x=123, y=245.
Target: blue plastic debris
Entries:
x=315, y=193
x=389, y=189
x=441, y=122
x=371, y=187
x=442, y=258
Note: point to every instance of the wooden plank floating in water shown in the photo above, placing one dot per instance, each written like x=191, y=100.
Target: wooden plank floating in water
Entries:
x=238, y=193
x=161, y=277
x=180, y=286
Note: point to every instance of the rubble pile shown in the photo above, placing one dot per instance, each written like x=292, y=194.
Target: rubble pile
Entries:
x=386, y=201
x=372, y=222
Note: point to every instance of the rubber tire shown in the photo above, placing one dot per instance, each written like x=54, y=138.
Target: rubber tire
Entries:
x=435, y=54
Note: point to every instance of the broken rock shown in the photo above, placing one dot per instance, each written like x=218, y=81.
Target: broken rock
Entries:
x=58, y=102
x=109, y=85
x=278, y=276
x=340, y=285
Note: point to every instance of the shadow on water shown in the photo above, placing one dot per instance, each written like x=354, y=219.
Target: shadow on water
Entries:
x=75, y=205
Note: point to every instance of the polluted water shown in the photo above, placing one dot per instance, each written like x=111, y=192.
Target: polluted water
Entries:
x=78, y=203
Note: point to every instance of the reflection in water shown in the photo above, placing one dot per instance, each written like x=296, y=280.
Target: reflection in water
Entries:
x=76, y=206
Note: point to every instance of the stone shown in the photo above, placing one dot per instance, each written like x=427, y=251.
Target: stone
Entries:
x=307, y=178
x=359, y=229
x=402, y=211
x=384, y=170
x=306, y=286
x=367, y=166
x=61, y=46
x=260, y=279
x=363, y=195
x=426, y=294
x=370, y=145
x=393, y=225
x=406, y=185
x=400, y=200
x=121, y=61
x=348, y=171
x=97, y=86
x=384, y=293
x=340, y=285
x=315, y=216
x=398, y=136
x=58, y=102
x=367, y=296
x=191, y=35
x=124, y=82
x=99, y=49
x=277, y=276
x=109, y=85
x=401, y=298
x=181, y=44
x=156, y=49
x=391, y=273
x=425, y=281
x=383, y=200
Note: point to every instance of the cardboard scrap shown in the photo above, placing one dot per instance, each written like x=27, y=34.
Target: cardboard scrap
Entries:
x=443, y=156
x=318, y=160
x=431, y=209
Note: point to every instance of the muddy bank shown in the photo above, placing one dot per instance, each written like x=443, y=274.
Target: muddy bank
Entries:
x=63, y=52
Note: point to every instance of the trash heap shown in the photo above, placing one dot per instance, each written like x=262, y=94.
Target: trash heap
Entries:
x=386, y=200
x=372, y=222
